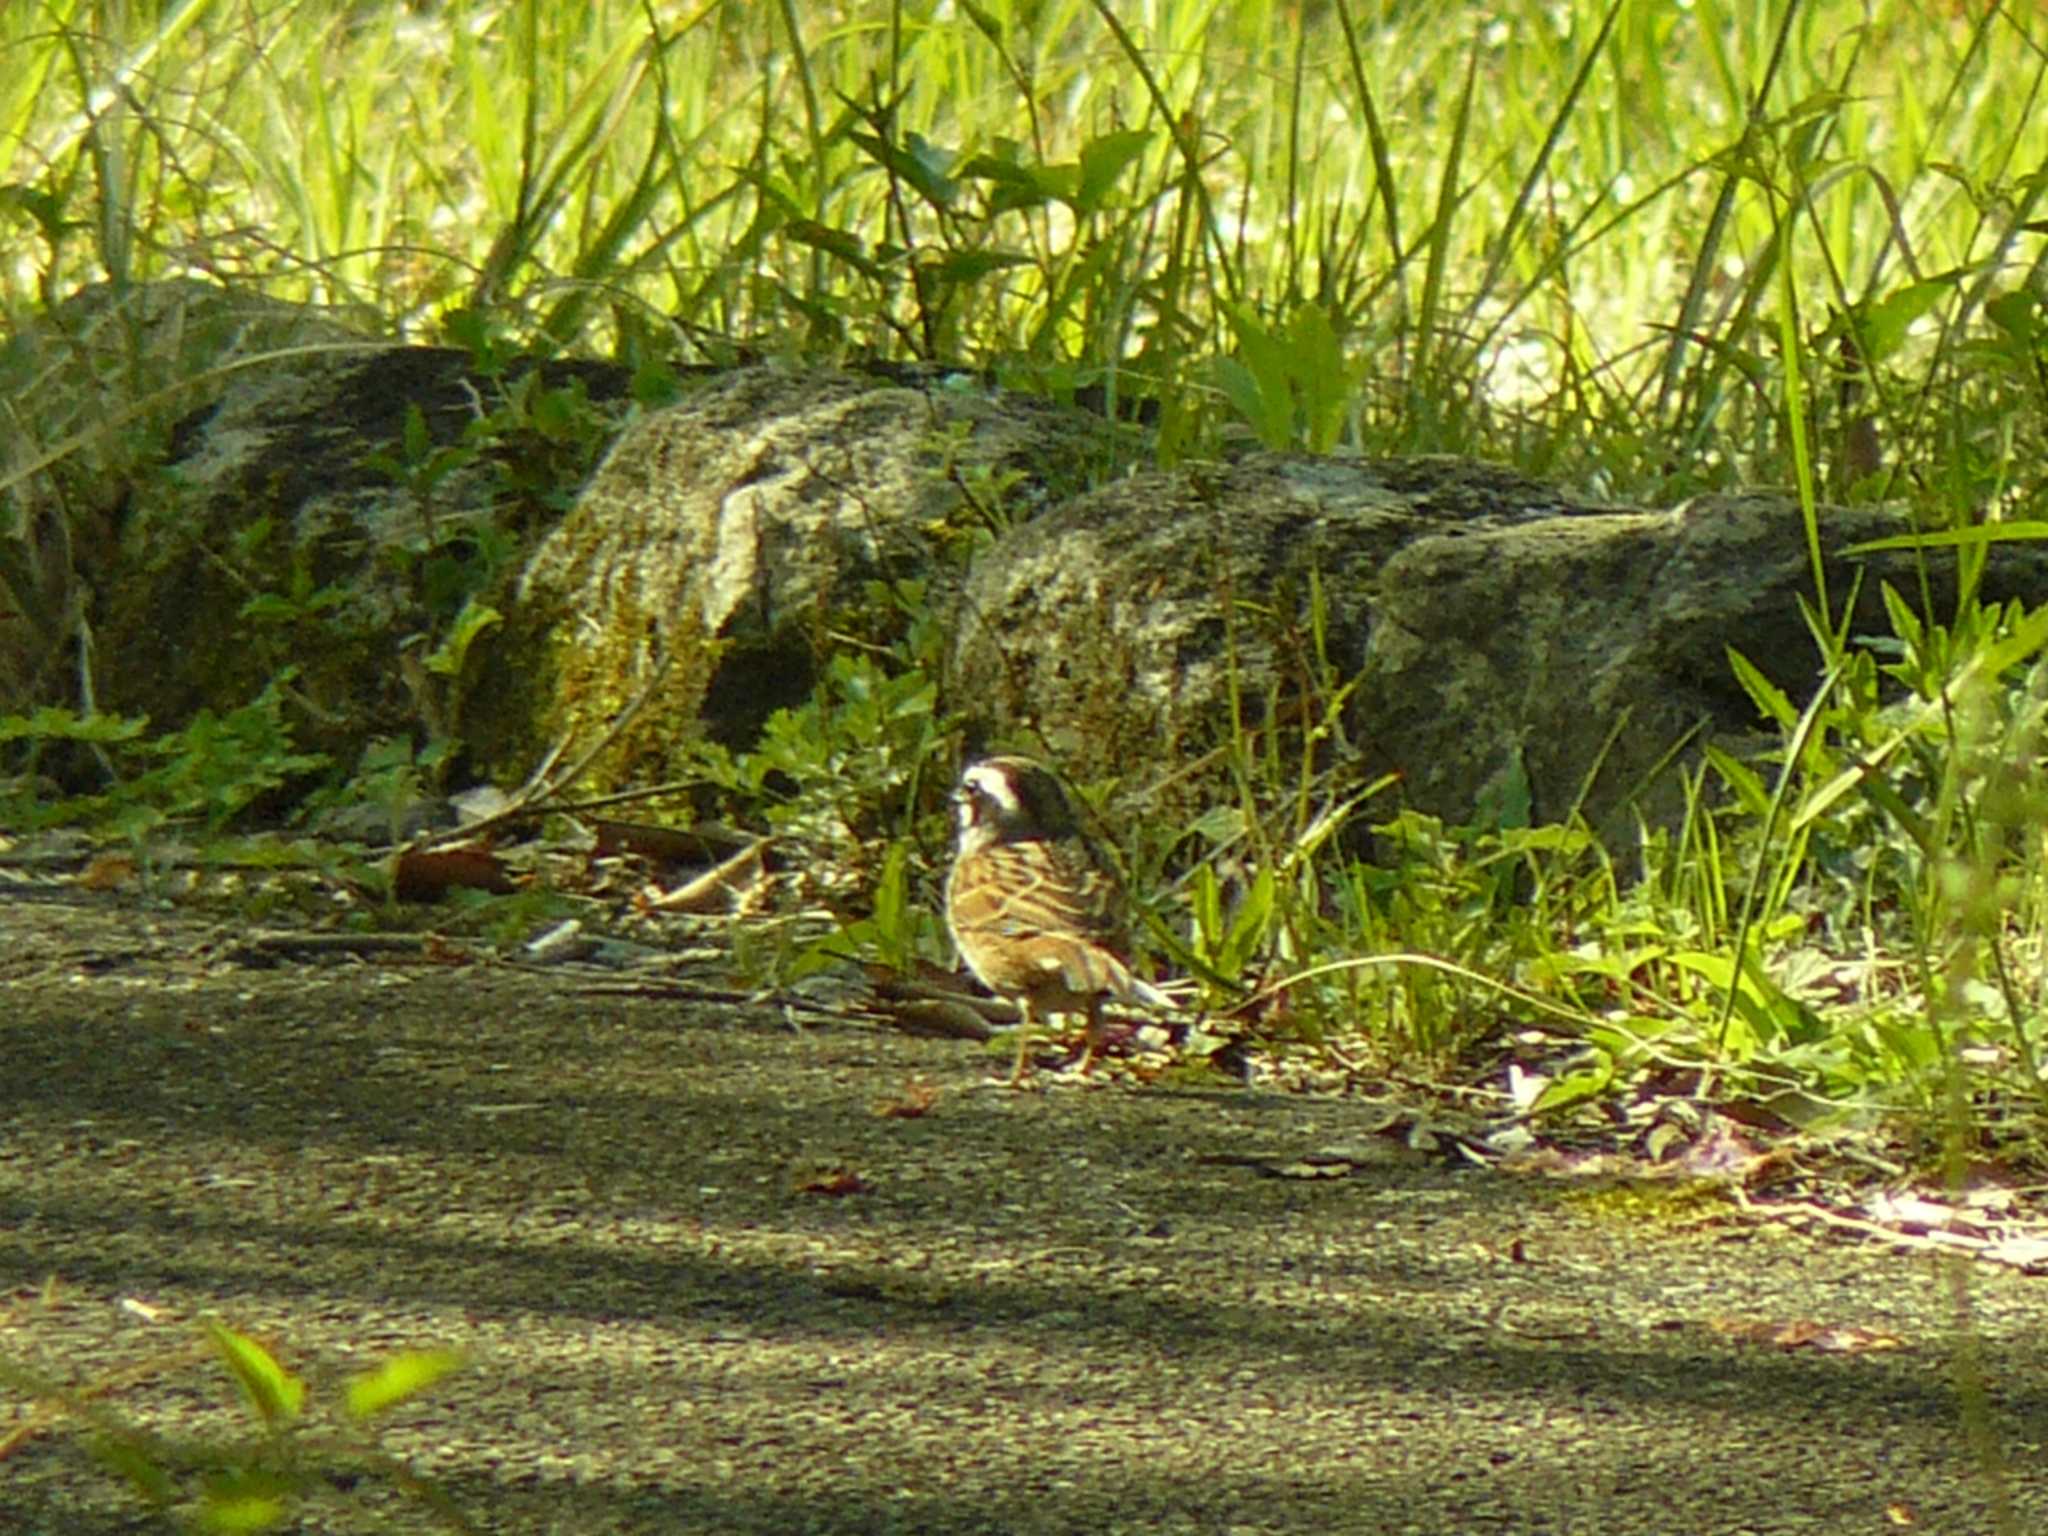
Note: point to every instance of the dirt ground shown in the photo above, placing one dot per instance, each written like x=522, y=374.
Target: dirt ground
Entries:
x=707, y=1287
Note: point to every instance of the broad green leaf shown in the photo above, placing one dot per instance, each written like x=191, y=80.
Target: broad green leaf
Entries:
x=1742, y=780
x=1768, y=697
x=1103, y=161
x=1250, y=925
x=243, y=1500
x=922, y=165
x=1575, y=1087
x=1269, y=415
x=273, y=1392
x=1881, y=329
x=834, y=242
x=1769, y=1015
x=448, y=657
x=2019, y=314
x=1323, y=382
x=398, y=1379
x=1905, y=622
x=1205, y=904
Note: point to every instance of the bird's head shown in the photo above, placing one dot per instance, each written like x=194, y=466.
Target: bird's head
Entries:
x=1010, y=800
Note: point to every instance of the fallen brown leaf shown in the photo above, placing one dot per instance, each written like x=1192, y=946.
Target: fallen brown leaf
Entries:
x=915, y=1101
x=428, y=875
x=835, y=1182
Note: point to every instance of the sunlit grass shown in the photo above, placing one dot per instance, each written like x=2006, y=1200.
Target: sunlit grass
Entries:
x=1544, y=232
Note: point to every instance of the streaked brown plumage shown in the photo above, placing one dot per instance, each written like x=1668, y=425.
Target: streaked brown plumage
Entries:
x=1034, y=915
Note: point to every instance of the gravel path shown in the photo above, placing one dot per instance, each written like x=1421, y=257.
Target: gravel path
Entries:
x=707, y=1287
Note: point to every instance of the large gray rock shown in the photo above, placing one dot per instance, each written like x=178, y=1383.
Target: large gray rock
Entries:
x=266, y=527
x=726, y=547
x=1114, y=630
x=1497, y=635
x=92, y=388
x=1461, y=625
x=1588, y=653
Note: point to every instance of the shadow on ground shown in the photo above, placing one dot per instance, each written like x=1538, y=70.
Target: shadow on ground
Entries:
x=1039, y=1313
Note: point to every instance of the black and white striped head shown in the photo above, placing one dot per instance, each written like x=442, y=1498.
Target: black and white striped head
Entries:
x=1010, y=800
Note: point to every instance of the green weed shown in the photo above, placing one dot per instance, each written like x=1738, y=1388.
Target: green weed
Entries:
x=212, y=768
x=266, y=1478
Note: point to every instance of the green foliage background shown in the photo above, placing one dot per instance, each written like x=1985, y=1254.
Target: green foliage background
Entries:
x=1649, y=247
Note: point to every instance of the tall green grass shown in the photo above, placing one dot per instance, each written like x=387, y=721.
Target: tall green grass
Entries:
x=1594, y=238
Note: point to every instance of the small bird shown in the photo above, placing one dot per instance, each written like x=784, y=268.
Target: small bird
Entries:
x=1033, y=913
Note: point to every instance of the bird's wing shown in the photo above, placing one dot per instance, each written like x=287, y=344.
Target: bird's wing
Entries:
x=1041, y=888
x=1050, y=901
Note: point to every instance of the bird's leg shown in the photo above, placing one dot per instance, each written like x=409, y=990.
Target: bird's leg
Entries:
x=1023, y=1062
x=1094, y=1037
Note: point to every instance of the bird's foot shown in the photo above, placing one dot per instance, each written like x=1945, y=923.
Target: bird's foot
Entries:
x=1020, y=1069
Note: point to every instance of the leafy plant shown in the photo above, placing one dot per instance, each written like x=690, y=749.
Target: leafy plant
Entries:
x=1292, y=384
x=264, y=1479
x=852, y=777
x=214, y=767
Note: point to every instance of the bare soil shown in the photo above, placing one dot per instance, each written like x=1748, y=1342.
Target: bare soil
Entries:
x=707, y=1287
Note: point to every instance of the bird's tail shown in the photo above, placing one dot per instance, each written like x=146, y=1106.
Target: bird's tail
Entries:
x=1091, y=969
x=1140, y=990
